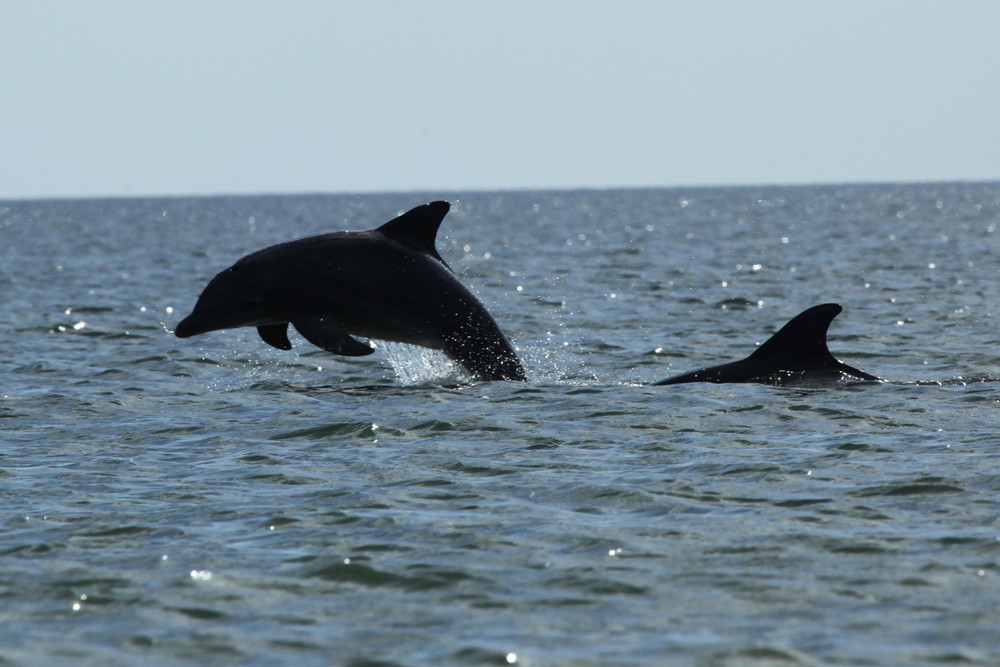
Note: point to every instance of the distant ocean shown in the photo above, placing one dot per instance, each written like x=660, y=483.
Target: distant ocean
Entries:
x=216, y=501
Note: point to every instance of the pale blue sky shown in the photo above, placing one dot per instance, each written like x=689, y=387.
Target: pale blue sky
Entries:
x=243, y=96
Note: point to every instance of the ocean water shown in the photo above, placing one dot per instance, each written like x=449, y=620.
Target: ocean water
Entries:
x=216, y=501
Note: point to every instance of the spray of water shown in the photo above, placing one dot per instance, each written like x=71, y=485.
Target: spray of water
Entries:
x=417, y=365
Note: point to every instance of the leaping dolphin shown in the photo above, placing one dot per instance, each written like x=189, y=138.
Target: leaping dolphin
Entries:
x=388, y=283
x=797, y=352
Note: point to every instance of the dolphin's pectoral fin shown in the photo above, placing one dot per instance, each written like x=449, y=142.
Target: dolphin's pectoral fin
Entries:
x=275, y=335
x=325, y=333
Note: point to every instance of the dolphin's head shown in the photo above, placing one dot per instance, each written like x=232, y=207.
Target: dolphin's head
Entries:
x=240, y=296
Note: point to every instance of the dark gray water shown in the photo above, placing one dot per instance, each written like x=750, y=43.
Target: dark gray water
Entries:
x=215, y=501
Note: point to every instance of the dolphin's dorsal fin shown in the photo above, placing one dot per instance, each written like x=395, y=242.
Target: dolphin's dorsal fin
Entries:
x=797, y=351
x=803, y=337
x=418, y=227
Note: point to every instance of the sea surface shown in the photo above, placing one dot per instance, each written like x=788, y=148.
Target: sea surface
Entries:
x=215, y=501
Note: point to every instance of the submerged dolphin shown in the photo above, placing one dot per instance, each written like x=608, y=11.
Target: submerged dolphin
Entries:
x=387, y=283
x=797, y=352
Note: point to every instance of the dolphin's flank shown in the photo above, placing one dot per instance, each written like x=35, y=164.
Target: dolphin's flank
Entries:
x=388, y=283
x=797, y=352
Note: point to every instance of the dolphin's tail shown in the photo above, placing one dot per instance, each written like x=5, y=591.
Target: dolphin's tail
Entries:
x=483, y=350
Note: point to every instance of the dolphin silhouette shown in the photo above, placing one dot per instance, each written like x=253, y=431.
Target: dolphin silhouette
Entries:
x=797, y=352
x=388, y=283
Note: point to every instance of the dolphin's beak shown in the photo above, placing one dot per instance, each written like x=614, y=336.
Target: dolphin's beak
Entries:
x=192, y=325
x=202, y=320
x=207, y=318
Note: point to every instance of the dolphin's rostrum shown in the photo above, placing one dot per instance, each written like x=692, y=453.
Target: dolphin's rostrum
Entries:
x=797, y=352
x=388, y=283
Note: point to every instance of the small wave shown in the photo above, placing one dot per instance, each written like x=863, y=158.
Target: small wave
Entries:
x=334, y=430
x=199, y=613
x=923, y=486
x=737, y=303
x=594, y=585
x=418, y=577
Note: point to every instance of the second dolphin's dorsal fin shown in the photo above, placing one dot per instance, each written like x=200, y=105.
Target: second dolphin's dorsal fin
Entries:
x=797, y=351
x=803, y=338
x=418, y=227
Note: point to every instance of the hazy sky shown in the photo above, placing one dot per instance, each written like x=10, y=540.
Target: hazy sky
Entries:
x=240, y=96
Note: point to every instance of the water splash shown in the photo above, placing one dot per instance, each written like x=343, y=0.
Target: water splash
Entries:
x=416, y=365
